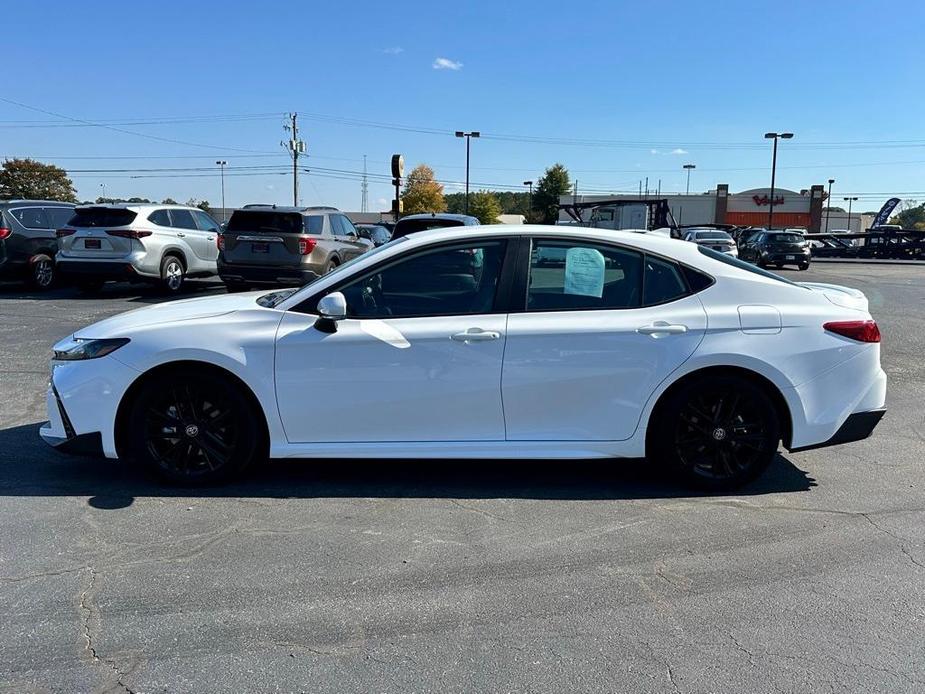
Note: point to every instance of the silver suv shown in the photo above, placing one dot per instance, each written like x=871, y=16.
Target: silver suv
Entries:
x=285, y=246
x=127, y=242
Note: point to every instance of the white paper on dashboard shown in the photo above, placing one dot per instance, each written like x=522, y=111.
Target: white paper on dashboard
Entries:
x=584, y=272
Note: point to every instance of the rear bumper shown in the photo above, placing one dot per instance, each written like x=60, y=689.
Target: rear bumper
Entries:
x=796, y=258
x=98, y=269
x=857, y=427
x=270, y=276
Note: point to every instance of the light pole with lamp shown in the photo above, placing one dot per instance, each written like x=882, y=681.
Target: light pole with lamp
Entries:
x=775, y=137
x=530, y=203
x=829, y=206
x=849, y=201
x=689, y=167
x=221, y=163
x=468, y=136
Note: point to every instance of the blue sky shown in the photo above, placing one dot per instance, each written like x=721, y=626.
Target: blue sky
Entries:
x=653, y=86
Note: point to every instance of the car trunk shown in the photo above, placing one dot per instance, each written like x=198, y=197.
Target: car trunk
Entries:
x=263, y=238
x=99, y=232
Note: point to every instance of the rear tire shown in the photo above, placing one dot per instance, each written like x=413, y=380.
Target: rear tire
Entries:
x=331, y=266
x=715, y=433
x=192, y=428
x=173, y=274
x=42, y=273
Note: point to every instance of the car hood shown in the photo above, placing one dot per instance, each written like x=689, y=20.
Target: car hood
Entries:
x=169, y=312
x=846, y=297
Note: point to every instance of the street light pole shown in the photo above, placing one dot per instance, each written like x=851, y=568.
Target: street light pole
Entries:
x=474, y=133
x=221, y=163
x=829, y=206
x=775, y=137
x=849, y=201
x=530, y=203
x=689, y=167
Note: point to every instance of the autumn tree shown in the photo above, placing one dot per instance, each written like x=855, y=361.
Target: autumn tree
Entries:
x=485, y=207
x=422, y=193
x=553, y=184
x=33, y=180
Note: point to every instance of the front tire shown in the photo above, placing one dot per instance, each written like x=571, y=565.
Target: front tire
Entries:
x=173, y=274
x=804, y=266
x=716, y=434
x=192, y=428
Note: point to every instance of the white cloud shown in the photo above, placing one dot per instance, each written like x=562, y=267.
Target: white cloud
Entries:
x=381, y=202
x=678, y=150
x=446, y=64
x=653, y=151
x=393, y=50
x=270, y=186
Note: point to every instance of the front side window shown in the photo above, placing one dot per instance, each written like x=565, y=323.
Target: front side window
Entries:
x=574, y=275
x=182, y=219
x=460, y=280
x=206, y=223
x=31, y=217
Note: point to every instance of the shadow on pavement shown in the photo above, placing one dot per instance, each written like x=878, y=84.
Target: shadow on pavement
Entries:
x=136, y=293
x=29, y=468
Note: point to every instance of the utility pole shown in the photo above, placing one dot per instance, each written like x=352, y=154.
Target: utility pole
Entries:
x=468, y=136
x=295, y=146
x=364, y=202
x=221, y=163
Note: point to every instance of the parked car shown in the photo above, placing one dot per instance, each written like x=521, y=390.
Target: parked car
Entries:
x=777, y=248
x=607, y=355
x=266, y=245
x=433, y=220
x=713, y=238
x=27, y=239
x=162, y=244
x=376, y=233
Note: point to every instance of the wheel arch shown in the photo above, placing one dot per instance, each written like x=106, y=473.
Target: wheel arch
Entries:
x=178, y=253
x=768, y=386
x=159, y=371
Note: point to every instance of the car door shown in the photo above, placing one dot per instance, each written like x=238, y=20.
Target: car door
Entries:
x=189, y=233
x=348, y=237
x=209, y=227
x=419, y=354
x=601, y=328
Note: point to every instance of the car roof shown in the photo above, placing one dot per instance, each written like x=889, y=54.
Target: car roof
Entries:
x=25, y=201
x=261, y=207
x=468, y=220
x=137, y=206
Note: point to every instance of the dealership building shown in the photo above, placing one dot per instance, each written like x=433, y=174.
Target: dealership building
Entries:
x=792, y=209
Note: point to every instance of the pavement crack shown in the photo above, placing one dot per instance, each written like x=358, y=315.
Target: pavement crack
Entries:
x=88, y=612
x=899, y=539
x=670, y=672
x=479, y=511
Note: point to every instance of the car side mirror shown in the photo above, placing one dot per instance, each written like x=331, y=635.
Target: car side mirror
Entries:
x=331, y=308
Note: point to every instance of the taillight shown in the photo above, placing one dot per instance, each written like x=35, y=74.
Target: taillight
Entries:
x=860, y=330
x=306, y=246
x=220, y=241
x=65, y=232
x=5, y=233
x=128, y=233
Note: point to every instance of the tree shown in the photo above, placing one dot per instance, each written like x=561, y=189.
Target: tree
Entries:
x=169, y=201
x=422, y=193
x=912, y=215
x=511, y=202
x=553, y=184
x=201, y=204
x=485, y=206
x=30, y=179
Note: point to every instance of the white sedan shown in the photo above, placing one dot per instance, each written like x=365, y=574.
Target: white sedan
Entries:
x=483, y=342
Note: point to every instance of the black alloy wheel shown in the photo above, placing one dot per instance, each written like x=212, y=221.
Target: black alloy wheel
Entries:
x=42, y=273
x=193, y=429
x=717, y=434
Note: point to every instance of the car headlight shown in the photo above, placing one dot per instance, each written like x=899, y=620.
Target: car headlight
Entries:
x=81, y=348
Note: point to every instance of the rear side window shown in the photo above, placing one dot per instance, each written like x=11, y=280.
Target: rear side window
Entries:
x=59, y=216
x=159, y=217
x=31, y=217
x=182, y=219
x=663, y=282
x=314, y=224
x=570, y=276
x=102, y=217
x=260, y=222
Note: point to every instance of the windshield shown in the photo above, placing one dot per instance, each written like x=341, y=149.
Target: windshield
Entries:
x=742, y=265
x=785, y=238
x=410, y=226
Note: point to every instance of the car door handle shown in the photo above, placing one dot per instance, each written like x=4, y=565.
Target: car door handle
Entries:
x=180, y=235
x=662, y=328
x=476, y=335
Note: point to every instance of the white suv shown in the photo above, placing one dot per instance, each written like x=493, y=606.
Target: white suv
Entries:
x=127, y=242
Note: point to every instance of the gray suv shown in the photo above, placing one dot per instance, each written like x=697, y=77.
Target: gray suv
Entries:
x=266, y=245
x=27, y=239
x=163, y=244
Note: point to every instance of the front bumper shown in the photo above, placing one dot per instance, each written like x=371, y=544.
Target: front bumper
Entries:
x=58, y=432
x=857, y=427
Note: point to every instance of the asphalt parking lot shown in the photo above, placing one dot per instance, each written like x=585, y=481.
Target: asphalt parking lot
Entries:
x=463, y=576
